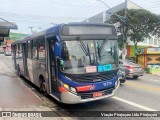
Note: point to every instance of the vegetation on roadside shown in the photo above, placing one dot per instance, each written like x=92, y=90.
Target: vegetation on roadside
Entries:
x=147, y=70
x=138, y=25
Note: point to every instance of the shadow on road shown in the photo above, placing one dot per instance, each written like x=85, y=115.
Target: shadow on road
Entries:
x=133, y=79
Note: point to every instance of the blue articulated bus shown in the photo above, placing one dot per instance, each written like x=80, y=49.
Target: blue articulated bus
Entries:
x=74, y=63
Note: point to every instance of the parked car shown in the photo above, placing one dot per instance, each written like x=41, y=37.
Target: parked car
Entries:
x=131, y=69
x=122, y=76
x=7, y=51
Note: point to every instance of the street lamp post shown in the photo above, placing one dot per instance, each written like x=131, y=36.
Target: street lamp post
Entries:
x=34, y=31
x=123, y=20
x=113, y=13
x=31, y=29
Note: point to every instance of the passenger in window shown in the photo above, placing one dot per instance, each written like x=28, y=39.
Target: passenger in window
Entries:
x=65, y=56
x=65, y=53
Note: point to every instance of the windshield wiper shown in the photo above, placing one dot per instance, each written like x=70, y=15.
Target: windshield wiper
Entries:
x=102, y=46
x=83, y=47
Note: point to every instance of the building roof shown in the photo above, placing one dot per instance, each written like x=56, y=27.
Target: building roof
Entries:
x=5, y=28
x=8, y=25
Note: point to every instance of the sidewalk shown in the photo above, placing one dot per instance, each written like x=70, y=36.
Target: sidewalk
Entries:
x=16, y=96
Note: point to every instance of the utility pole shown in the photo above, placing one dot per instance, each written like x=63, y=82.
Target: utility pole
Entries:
x=124, y=32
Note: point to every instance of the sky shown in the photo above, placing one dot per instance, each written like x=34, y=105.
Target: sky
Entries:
x=42, y=14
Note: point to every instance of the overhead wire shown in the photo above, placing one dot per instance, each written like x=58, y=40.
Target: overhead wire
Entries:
x=150, y=6
x=86, y=10
x=8, y=21
x=80, y=11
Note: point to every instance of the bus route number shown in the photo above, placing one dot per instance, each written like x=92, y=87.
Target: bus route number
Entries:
x=106, y=67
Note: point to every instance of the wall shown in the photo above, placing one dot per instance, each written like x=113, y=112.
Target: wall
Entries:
x=131, y=50
x=141, y=60
x=153, y=59
x=154, y=69
x=154, y=63
x=8, y=42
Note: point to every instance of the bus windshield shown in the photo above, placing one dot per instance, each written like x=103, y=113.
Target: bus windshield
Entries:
x=89, y=56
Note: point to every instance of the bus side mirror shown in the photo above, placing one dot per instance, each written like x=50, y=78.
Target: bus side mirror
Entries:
x=59, y=60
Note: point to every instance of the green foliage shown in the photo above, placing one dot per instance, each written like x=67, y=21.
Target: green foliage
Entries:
x=139, y=24
x=157, y=29
x=147, y=70
x=16, y=36
x=120, y=57
x=120, y=42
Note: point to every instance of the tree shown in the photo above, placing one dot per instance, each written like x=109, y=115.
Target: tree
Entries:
x=139, y=24
x=157, y=28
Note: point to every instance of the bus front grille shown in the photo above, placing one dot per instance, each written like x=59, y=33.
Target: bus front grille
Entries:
x=95, y=78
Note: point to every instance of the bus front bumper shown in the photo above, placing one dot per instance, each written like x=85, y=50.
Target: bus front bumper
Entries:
x=70, y=98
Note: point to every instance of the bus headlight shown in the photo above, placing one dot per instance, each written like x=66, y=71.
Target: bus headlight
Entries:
x=66, y=86
x=69, y=88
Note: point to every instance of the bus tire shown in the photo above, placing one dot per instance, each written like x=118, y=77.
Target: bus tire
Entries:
x=19, y=72
x=42, y=87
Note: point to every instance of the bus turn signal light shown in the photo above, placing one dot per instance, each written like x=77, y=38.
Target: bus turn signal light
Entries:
x=62, y=89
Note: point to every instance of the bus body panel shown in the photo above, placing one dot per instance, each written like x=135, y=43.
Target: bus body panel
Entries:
x=98, y=85
x=70, y=98
x=54, y=79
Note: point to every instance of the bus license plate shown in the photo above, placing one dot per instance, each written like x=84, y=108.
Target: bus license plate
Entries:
x=97, y=94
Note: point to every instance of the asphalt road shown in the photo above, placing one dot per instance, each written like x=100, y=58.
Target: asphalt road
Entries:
x=142, y=94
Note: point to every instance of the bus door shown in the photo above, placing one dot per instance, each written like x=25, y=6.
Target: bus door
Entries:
x=24, y=51
x=52, y=65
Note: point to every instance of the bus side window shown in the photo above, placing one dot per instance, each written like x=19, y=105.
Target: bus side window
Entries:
x=17, y=50
x=29, y=49
x=41, y=49
x=52, y=53
x=34, y=49
x=20, y=51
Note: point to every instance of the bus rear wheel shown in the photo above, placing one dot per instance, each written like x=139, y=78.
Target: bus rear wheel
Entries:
x=42, y=88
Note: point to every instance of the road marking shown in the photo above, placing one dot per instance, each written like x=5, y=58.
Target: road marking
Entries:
x=146, y=87
x=155, y=80
x=134, y=104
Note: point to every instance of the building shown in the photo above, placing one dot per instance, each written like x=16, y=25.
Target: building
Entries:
x=5, y=27
x=17, y=36
x=105, y=15
x=11, y=38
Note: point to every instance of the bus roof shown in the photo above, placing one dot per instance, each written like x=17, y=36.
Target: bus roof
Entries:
x=56, y=29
